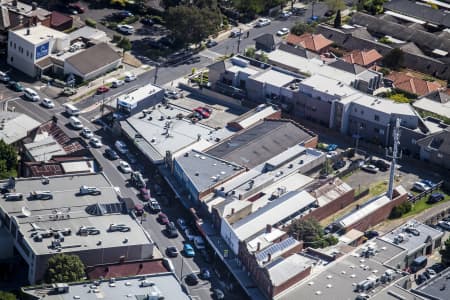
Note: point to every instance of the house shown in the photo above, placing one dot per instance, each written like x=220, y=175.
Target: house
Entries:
x=412, y=85
x=365, y=58
x=435, y=148
x=265, y=42
x=436, y=103
x=314, y=42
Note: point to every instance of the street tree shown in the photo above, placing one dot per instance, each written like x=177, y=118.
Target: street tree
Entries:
x=125, y=44
x=8, y=160
x=445, y=253
x=311, y=233
x=64, y=268
x=393, y=59
x=335, y=5
x=300, y=28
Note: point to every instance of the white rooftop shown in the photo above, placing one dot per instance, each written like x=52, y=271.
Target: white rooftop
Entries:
x=384, y=105
x=274, y=78
x=364, y=211
x=284, y=269
x=15, y=126
x=130, y=99
x=442, y=109
x=39, y=33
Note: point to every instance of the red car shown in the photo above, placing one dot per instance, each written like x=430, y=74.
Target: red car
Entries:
x=205, y=112
x=145, y=194
x=139, y=209
x=163, y=219
x=102, y=89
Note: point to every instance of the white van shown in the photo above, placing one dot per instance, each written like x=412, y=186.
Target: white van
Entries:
x=75, y=123
x=31, y=95
x=71, y=109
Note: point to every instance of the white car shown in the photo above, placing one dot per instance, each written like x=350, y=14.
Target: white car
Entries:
x=420, y=186
x=369, y=168
x=262, y=22
x=129, y=77
x=125, y=167
x=87, y=133
x=283, y=31
x=47, y=103
x=117, y=82
x=95, y=142
x=332, y=154
x=126, y=29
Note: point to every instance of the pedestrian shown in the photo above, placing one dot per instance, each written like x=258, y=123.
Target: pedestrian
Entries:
x=248, y=33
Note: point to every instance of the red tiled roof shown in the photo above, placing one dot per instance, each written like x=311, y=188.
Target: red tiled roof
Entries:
x=362, y=57
x=313, y=42
x=126, y=269
x=412, y=84
x=57, y=19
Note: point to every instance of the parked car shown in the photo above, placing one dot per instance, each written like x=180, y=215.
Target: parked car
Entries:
x=124, y=167
x=420, y=186
x=204, y=274
x=429, y=183
x=117, y=82
x=191, y=279
x=89, y=190
x=111, y=154
x=15, y=86
x=218, y=294
x=262, y=22
x=339, y=164
x=47, y=103
x=145, y=194
x=370, y=234
x=123, y=14
x=181, y=224
x=283, y=31
x=370, y=168
x=102, y=89
x=163, y=219
x=203, y=111
x=285, y=14
x=329, y=13
x=31, y=95
x=421, y=279
x=381, y=165
x=130, y=77
x=188, y=234
x=171, y=230
x=147, y=21
x=432, y=273
x=435, y=198
x=211, y=43
x=118, y=227
x=95, y=142
x=121, y=147
x=444, y=225
x=438, y=267
x=235, y=33
x=171, y=251
x=4, y=77
x=75, y=8
x=154, y=206
x=125, y=29
x=68, y=91
x=188, y=250
x=87, y=133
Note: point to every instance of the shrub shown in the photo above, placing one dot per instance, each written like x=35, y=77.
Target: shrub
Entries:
x=158, y=19
x=130, y=20
x=90, y=22
x=116, y=38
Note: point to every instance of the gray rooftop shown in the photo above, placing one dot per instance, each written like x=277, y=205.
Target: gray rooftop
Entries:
x=205, y=170
x=67, y=210
x=44, y=149
x=282, y=269
x=166, y=285
x=338, y=279
x=261, y=142
x=15, y=126
x=403, y=237
x=436, y=288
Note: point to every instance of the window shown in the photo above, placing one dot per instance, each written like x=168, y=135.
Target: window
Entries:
x=27, y=53
x=10, y=43
x=14, y=45
x=356, y=110
x=12, y=59
x=362, y=112
x=376, y=118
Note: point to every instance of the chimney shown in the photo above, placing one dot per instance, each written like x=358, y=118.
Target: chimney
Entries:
x=269, y=257
x=258, y=246
x=268, y=228
x=240, y=196
x=33, y=5
x=28, y=31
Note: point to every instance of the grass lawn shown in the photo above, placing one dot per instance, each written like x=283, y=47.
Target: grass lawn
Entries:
x=422, y=204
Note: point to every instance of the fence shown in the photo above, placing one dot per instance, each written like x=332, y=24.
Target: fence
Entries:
x=425, y=193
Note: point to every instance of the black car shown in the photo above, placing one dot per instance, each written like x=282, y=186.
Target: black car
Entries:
x=438, y=267
x=147, y=21
x=370, y=234
x=421, y=279
x=171, y=230
x=339, y=164
x=191, y=279
x=211, y=43
x=435, y=198
x=381, y=165
x=172, y=251
x=111, y=154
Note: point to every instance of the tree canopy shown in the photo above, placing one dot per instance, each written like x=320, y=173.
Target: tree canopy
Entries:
x=190, y=24
x=335, y=5
x=311, y=233
x=374, y=7
x=300, y=28
x=445, y=253
x=7, y=296
x=254, y=7
x=8, y=160
x=64, y=268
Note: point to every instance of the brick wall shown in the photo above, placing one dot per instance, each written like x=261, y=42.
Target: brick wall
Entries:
x=332, y=207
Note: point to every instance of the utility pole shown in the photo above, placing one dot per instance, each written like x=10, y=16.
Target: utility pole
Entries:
x=395, y=155
x=239, y=39
x=357, y=138
x=312, y=10
x=156, y=74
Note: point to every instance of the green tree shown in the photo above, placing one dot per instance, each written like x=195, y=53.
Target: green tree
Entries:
x=335, y=5
x=250, y=52
x=64, y=268
x=7, y=296
x=373, y=7
x=125, y=44
x=400, y=98
x=393, y=59
x=311, y=233
x=445, y=253
x=8, y=158
x=300, y=28
x=338, y=20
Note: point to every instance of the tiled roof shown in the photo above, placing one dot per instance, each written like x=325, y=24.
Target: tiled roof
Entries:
x=313, y=42
x=58, y=19
x=412, y=85
x=362, y=57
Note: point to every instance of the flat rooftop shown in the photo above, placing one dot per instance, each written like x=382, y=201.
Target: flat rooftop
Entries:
x=412, y=235
x=39, y=33
x=282, y=269
x=338, y=279
x=261, y=142
x=328, y=85
x=435, y=288
x=132, y=98
x=384, y=105
x=205, y=170
x=165, y=128
x=331, y=191
x=15, y=126
x=274, y=77
x=166, y=286
x=68, y=211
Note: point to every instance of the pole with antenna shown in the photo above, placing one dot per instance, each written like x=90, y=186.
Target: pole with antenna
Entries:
x=395, y=155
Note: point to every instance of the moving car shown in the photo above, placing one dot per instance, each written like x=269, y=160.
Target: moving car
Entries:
x=285, y=14
x=102, y=89
x=31, y=95
x=68, y=91
x=75, y=123
x=235, y=33
x=283, y=31
x=145, y=194
x=89, y=190
x=71, y=110
x=211, y=43
x=171, y=251
x=111, y=154
x=203, y=111
x=125, y=29
x=171, y=230
x=121, y=147
x=369, y=168
x=123, y=14
x=420, y=186
x=15, y=86
x=47, y=103
x=262, y=22
x=117, y=82
x=95, y=142
x=188, y=250
x=124, y=167
x=129, y=77
x=87, y=133
x=435, y=198
x=163, y=219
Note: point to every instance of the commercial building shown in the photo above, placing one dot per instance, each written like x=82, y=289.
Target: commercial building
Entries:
x=14, y=127
x=49, y=216
x=435, y=288
x=139, y=99
x=39, y=49
x=436, y=103
x=150, y=286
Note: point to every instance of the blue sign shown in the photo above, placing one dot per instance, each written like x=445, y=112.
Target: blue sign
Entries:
x=42, y=50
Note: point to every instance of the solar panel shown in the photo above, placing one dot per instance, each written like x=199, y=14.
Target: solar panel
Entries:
x=261, y=256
